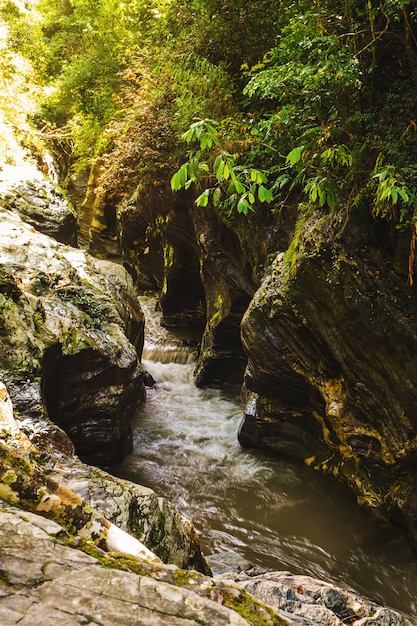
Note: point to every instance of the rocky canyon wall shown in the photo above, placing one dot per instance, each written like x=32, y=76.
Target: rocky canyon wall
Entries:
x=327, y=345
x=71, y=330
x=328, y=338
x=331, y=339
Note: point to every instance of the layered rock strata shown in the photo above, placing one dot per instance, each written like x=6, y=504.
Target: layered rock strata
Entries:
x=71, y=330
x=39, y=202
x=200, y=268
x=331, y=342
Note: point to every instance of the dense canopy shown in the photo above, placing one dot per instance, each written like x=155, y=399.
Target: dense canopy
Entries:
x=310, y=103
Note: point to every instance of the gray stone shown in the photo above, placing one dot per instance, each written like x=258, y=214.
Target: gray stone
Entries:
x=53, y=584
x=41, y=204
x=71, y=329
x=137, y=510
x=312, y=601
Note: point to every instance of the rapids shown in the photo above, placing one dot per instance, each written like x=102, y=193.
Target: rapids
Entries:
x=271, y=511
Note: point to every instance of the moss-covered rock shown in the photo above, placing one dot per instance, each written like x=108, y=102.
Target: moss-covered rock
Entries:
x=332, y=346
x=39, y=202
x=71, y=329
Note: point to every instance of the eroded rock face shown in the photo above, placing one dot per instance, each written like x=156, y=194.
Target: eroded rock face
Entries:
x=71, y=330
x=332, y=346
x=229, y=287
x=38, y=202
x=201, y=270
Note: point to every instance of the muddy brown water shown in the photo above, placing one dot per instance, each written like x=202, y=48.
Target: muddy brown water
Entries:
x=273, y=512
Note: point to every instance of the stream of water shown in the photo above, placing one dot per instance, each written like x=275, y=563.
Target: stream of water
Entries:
x=270, y=511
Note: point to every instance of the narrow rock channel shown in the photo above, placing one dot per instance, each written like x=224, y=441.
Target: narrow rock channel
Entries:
x=266, y=510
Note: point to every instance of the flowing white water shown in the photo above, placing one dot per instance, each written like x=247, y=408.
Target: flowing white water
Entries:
x=272, y=512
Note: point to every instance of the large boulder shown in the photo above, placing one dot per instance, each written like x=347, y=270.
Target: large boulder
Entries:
x=38, y=201
x=71, y=329
x=136, y=510
x=331, y=338
x=31, y=476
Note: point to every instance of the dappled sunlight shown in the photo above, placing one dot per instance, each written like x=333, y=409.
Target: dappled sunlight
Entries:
x=20, y=97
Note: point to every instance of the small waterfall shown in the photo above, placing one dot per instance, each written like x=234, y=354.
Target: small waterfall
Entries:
x=272, y=512
x=161, y=345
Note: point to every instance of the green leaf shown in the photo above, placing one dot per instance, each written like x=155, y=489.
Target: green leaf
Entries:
x=203, y=198
x=381, y=175
x=264, y=194
x=189, y=135
x=258, y=177
x=176, y=182
x=243, y=206
x=219, y=171
x=183, y=173
x=217, y=196
x=314, y=190
x=403, y=195
x=226, y=172
x=394, y=195
x=217, y=164
x=295, y=155
x=210, y=129
x=240, y=188
x=206, y=141
x=331, y=198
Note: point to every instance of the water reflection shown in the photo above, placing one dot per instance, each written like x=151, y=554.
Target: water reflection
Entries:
x=272, y=512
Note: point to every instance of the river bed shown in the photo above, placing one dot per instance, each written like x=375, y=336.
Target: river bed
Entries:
x=273, y=512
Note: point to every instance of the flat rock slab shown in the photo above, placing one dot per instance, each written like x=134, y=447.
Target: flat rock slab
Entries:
x=311, y=601
x=44, y=583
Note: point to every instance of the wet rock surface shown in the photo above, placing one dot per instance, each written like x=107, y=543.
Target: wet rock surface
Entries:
x=316, y=602
x=200, y=268
x=39, y=202
x=71, y=329
x=331, y=343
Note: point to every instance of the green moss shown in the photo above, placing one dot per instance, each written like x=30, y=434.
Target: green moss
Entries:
x=9, y=477
x=253, y=611
x=293, y=252
x=182, y=577
x=5, y=434
x=17, y=462
x=107, y=560
x=94, y=305
x=4, y=578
